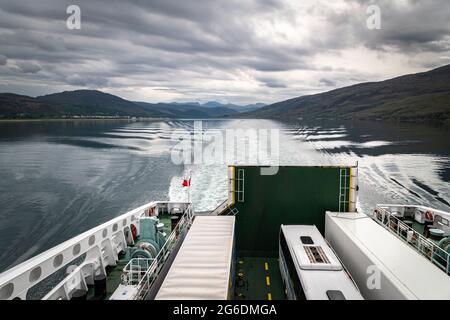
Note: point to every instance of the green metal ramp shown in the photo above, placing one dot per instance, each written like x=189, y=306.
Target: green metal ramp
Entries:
x=295, y=195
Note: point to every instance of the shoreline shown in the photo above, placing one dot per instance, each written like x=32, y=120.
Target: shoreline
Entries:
x=109, y=119
x=76, y=119
x=429, y=123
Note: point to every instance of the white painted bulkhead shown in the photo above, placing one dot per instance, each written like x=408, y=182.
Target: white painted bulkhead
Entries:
x=368, y=251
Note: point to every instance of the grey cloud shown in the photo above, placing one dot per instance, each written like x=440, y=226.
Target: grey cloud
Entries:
x=327, y=82
x=3, y=60
x=28, y=66
x=409, y=25
x=184, y=44
x=272, y=82
x=90, y=81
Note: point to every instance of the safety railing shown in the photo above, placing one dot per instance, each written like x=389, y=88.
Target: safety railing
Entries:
x=145, y=282
x=220, y=208
x=421, y=244
x=101, y=243
x=135, y=269
x=109, y=238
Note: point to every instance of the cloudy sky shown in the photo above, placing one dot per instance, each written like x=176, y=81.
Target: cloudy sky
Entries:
x=238, y=51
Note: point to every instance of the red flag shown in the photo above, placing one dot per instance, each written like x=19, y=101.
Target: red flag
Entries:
x=187, y=182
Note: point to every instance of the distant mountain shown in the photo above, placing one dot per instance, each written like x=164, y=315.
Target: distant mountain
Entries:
x=79, y=103
x=179, y=110
x=19, y=106
x=92, y=103
x=212, y=104
x=96, y=103
x=251, y=107
x=186, y=103
x=418, y=97
x=238, y=108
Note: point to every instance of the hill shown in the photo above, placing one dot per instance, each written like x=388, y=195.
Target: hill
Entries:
x=92, y=103
x=96, y=103
x=177, y=110
x=417, y=97
x=235, y=107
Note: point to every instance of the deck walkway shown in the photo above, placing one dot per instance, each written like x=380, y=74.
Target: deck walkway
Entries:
x=258, y=279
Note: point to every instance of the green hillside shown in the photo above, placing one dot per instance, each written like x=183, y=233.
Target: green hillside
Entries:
x=418, y=97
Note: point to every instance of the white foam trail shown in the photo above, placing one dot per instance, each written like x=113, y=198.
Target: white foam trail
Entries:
x=326, y=136
x=209, y=182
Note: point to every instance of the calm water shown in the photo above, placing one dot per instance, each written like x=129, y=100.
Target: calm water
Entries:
x=58, y=179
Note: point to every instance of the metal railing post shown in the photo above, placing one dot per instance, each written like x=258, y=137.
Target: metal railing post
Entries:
x=155, y=267
x=448, y=264
x=422, y=245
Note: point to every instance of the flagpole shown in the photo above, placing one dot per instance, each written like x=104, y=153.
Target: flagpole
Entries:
x=187, y=183
x=189, y=188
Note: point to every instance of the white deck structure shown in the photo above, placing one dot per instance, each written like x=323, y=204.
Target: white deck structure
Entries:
x=367, y=248
x=317, y=278
x=201, y=269
x=100, y=246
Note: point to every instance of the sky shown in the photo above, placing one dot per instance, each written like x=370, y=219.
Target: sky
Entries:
x=232, y=51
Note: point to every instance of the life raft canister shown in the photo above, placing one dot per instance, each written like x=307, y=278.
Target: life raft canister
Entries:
x=133, y=231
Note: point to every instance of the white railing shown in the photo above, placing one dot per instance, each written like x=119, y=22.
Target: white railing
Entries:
x=135, y=270
x=144, y=283
x=79, y=278
x=220, y=208
x=101, y=246
x=421, y=244
x=405, y=209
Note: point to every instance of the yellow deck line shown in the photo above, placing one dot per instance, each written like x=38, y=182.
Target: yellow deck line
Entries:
x=269, y=296
x=268, y=280
x=266, y=266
